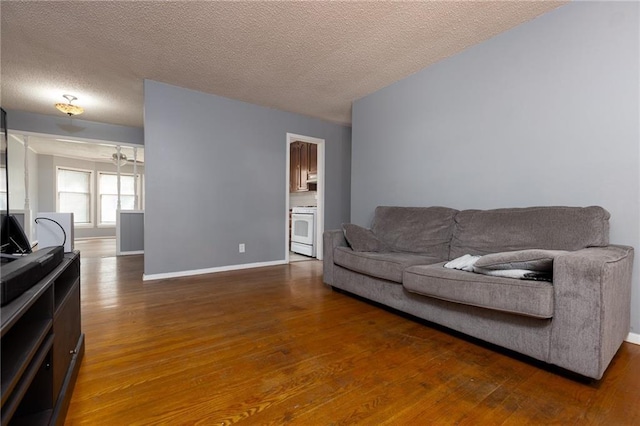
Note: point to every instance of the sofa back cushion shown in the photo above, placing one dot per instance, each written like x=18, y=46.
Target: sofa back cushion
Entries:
x=482, y=232
x=423, y=230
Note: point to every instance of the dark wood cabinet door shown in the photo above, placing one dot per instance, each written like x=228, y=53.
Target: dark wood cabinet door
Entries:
x=313, y=159
x=294, y=166
x=66, y=333
x=298, y=167
x=304, y=166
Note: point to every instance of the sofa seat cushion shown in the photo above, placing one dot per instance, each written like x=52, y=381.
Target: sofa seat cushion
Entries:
x=530, y=298
x=388, y=266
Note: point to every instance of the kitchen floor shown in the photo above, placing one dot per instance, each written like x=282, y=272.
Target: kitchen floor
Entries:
x=295, y=257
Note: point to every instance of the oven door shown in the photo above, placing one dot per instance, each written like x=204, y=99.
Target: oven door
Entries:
x=302, y=228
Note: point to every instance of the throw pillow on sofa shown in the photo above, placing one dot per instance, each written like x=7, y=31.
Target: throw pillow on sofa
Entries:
x=362, y=239
x=532, y=260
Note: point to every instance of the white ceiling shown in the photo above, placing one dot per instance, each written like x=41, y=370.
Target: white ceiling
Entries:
x=312, y=58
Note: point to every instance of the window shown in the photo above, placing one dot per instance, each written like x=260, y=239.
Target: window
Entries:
x=74, y=194
x=108, y=196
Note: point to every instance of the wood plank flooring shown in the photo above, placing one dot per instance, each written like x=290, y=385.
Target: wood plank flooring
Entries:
x=276, y=346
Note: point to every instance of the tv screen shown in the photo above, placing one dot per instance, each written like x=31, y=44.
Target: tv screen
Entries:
x=13, y=238
x=4, y=142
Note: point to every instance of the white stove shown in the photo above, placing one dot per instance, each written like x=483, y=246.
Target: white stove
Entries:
x=303, y=230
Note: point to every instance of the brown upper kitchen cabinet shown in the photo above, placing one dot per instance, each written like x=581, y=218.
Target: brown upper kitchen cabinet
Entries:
x=303, y=169
x=294, y=166
x=312, y=175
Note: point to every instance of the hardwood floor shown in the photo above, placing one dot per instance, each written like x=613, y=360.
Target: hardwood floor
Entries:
x=98, y=247
x=274, y=346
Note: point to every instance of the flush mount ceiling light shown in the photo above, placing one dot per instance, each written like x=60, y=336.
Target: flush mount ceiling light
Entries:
x=119, y=158
x=68, y=108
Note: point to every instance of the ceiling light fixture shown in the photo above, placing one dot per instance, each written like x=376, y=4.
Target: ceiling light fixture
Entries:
x=68, y=108
x=122, y=159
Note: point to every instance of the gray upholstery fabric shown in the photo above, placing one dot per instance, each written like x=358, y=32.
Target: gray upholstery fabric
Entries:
x=591, y=286
x=531, y=298
x=553, y=228
x=592, y=293
x=362, y=239
x=330, y=240
x=532, y=260
x=388, y=266
x=520, y=333
x=424, y=230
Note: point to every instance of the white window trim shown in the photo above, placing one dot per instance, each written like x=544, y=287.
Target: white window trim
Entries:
x=99, y=198
x=91, y=195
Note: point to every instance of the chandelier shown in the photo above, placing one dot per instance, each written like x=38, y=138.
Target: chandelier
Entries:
x=68, y=108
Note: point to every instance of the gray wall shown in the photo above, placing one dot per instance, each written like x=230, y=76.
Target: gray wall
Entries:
x=16, y=174
x=131, y=232
x=61, y=125
x=215, y=177
x=17, y=191
x=46, y=184
x=544, y=114
x=32, y=159
x=47, y=189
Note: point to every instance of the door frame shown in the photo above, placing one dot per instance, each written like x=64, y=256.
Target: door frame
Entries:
x=292, y=137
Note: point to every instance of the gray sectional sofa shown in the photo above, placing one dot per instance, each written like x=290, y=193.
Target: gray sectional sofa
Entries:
x=577, y=321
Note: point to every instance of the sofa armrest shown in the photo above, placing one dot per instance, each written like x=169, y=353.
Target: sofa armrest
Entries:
x=330, y=239
x=592, y=292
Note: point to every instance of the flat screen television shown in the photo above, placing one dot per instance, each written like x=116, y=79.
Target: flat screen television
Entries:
x=13, y=239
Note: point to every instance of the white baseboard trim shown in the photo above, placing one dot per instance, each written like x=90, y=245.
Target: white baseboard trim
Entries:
x=129, y=253
x=103, y=237
x=633, y=338
x=163, y=276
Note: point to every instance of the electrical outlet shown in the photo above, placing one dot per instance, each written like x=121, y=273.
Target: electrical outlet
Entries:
x=241, y=248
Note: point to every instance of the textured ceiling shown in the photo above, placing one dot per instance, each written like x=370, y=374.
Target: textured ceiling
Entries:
x=312, y=58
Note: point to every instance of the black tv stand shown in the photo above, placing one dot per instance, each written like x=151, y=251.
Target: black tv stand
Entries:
x=42, y=348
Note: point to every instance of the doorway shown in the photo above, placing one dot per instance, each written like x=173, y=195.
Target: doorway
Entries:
x=319, y=195
x=41, y=165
